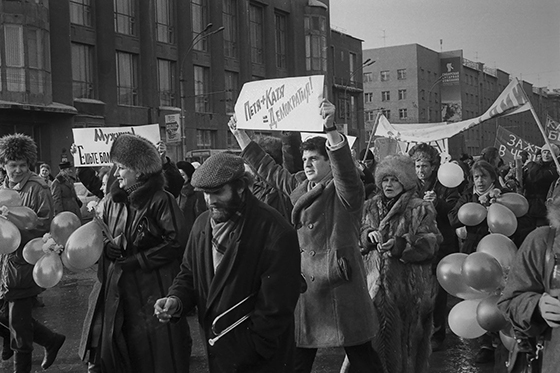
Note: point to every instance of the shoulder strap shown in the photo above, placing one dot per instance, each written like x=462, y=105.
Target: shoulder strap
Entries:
x=552, y=247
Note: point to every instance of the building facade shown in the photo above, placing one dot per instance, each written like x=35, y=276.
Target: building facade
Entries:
x=82, y=63
x=413, y=84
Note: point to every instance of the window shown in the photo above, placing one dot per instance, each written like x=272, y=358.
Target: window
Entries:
x=402, y=94
x=401, y=74
x=370, y=116
x=82, y=71
x=37, y=61
x=164, y=21
x=281, y=37
x=386, y=113
x=385, y=96
x=315, y=43
x=368, y=77
x=403, y=114
x=422, y=74
x=384, y=75
x=166, y=82
x=343, y=108
x=229, y=17
x=15, y=65
x=80, y=12
x=256, y=33
x=351, y=67
x=199, y=12
x=127, y=79
x=125, y=21
x=231, y=141
x=422, y=94
x=205, y=139
x=201, y=84
x=232, y=90
x=368, y=97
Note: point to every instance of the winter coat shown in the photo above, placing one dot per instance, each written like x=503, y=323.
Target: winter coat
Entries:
x=16, y=281
x=537, y=178
x=336, y=309
x=401, y=282
x=262, y=264
x=64, y=195
x=192, y=204
x=120, y=322
x=446, y=199
x=525, y=286
x=273, y=197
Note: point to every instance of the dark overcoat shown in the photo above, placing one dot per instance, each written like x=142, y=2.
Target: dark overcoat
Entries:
x=120, y=322
x=64, y=195
x=263, y=264
x=336, y=309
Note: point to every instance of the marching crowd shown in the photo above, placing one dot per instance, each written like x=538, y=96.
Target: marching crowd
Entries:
x=279, y=257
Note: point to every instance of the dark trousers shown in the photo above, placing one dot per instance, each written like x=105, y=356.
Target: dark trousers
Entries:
x=363, y=359
x=440, y=314
x=17, y=317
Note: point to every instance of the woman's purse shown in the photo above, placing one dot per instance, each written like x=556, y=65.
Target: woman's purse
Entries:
x=148, y=234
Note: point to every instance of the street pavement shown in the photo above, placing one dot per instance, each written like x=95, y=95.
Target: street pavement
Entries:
x=66, y=306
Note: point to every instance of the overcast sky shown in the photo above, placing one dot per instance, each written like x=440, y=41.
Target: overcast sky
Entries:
x=521, y=37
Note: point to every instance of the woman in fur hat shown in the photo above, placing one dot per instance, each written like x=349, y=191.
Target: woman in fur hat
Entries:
x=399, y=237
x=138, y=266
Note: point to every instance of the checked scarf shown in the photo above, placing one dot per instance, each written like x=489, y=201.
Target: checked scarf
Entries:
x=224, y=234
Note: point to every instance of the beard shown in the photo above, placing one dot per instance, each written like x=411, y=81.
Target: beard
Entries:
x=223, y=211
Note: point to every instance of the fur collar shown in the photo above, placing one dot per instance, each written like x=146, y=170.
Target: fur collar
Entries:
x=140, y=196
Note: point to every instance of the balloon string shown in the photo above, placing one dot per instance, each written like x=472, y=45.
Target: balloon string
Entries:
x=104, y=228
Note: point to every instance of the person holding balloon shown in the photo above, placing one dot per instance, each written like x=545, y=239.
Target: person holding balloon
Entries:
x=427, y=162
x=399, y=239
x=530, y=299
x=142, y=254
x=18, y=153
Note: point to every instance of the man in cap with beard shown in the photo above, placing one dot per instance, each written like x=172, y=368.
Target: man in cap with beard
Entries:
x=241, y=263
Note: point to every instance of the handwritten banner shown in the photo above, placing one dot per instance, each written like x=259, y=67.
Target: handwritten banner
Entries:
x=288, y=104
x=510, y=145
x=93, y=144
x=552, y=130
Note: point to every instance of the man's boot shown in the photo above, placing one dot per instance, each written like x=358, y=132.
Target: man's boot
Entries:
x=51, y=341
x=7, y=351
x=22, y=362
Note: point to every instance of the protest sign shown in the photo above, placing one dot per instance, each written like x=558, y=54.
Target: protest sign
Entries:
x=308, y=135
x=92, y=145
x=173, y=128
x=509, y=145
x=552, y=130
x=288, y=104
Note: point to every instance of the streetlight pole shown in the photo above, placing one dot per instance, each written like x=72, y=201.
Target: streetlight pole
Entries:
x=347, y=105
x=430, y=95
x=204, y=34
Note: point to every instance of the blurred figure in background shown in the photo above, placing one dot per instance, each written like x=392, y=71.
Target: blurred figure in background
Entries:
x=190, y=201
x=45, y=173
x=63, y=191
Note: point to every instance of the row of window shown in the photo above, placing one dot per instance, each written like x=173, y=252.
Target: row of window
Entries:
x=370, y=115
x=384, y=75
x=385, y=95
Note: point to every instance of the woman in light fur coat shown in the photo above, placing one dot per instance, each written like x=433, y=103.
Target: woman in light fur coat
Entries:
x=399, y=238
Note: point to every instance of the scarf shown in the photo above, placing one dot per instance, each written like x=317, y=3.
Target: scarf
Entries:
x=486, y=192
x=225, y=233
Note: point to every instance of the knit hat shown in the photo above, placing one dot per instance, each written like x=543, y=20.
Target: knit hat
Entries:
x=136, y=153
x=216, y=171
x=553, y=149
x=18, y=147
x=369, y=155
x=399, y=166
x=186, y=167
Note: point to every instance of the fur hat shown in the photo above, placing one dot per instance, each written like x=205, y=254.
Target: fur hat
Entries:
x=399, y=166
x=218, y=170
x=136, y=153
x=17, y=147
x=553, y=149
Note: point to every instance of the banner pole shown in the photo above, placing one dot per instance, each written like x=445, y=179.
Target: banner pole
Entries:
x=539, y=124
x=373, y=129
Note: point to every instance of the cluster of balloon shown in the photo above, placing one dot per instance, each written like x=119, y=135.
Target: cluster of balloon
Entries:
x=450, y=175
x=16, y=218
x=478, y=278
x=67, y=244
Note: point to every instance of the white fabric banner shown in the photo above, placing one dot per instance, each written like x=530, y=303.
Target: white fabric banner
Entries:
x=288, y=104
x=92, y=145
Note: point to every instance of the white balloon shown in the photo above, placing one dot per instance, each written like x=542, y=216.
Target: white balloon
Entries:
x=450, y=175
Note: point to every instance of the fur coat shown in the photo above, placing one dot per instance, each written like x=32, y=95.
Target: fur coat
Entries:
x=401, y=282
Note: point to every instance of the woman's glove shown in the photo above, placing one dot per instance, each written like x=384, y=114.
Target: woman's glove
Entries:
x=112, y=251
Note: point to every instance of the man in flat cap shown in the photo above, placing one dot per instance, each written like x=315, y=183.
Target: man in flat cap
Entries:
x=336, y=310
x=241, y=269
